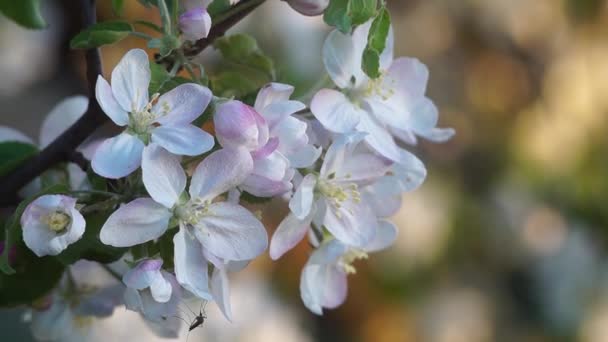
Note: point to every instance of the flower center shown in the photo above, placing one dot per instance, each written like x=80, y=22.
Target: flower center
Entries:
x=142, y=122
x=193, y=210
x=346, y=261
x=337, y=194
x=58, y=221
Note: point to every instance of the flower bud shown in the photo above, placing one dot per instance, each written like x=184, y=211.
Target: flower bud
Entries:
x=195, y=23
x=309, y=7
x=239, y=125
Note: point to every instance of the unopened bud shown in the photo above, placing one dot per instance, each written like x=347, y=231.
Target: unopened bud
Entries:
x=195, y=23
x=309, y=7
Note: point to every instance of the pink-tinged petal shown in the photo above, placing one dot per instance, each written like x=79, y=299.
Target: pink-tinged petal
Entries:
x=182, y=104
x=385, y=236
x=273, y=166
x=292, y=136
x=130, y=80
x=221, y=171
x=190, y=264
x=10, y=134
x=410, y=171
x=161, y=311
x=61, y=117
x=340, y=58
x=309, y=7
x=267, y=150
x=274, y=113
x=335, y=111
x=289, y=233
x=338, y=152
x=220, y=288
x=143, y=274
x=263, y=187
x=236, y=125
x=231, y=232
x=272, y=93
x=163, y=175
x=439, y=135
x=195, y=23
x=353, y=223
x=109, y=105
x=187, y=140
x=301, y=202
x=117, y=157
x=136, y=222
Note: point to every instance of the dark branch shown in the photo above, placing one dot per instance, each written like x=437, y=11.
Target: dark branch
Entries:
x=62, y=149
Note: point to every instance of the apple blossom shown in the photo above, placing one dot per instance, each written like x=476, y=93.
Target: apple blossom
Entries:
x=393, y=104
x=51, y=223
x=195, y=21
x=164, y=120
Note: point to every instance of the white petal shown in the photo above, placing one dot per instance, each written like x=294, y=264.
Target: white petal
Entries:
x=378, y=138
x=10, y=134
x=231, y=232
x=219, y=172
x=272, y=167
x=130, y=80
x=160, y=288
x=439, y=135
x=338, y=151
x=187, y=140
x=304, y=157
x=301, y=202
x=182, y=104
x=363, y=168
x=335, y=111
x=136, y=222
x=163, y=175
x=410, y=171
x=274, y=113
x=409, y=75
x=353, y=223
x=339, y=57
x=143, y=274
x=109, y=105
x=263, y=187
x=272, y=93
x=190, y=264
x=133, y=300
x=61, y=117
x=322, y=286
x=289, y=233
x=424, y=116
x=117, y=157
x=220, y=288
x=385, y=236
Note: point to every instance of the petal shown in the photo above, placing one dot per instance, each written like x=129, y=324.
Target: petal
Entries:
x=108, y=103
x=236, y=125
x=132, y=300
x=102, y=302
x=190, y=264
x=220, y=288
x=272, y=93
x=117, y=157
x=335, y=111
x=136, y=222
x=289, y=233
x=182, y=105
x=160, y=289
x=410, y=171
x=338, y=151
x=304, y=157
x=163, y=175
x=301, y=202
x=439, y=135
x=186, y=140
x=353, y=223
x=221, y=171
x=231, y=232
x=274, y=113
x=339, y=57
x=385, y=236
x=409, y=76
x=362, y=168
x=195, y=23
x=130, y=80
x=263, y=187
x=322, y=286
x=143, y=274
x=378, y=138
x=424, y=116
x=10, y=134
x=159, y=312
x=61, y=117
x=273, y=166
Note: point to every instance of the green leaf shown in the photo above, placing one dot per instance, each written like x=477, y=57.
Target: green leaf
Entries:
x=13, y=153
x=218, y=7
x=376, y=43
x=89, y=247
x=168, y=44
x=26, y=13
x=161, y=81
x=118, y=6
x=107, y=32
x=245, y=67
x=360, y=11
x=336, y=15
x=12, y=227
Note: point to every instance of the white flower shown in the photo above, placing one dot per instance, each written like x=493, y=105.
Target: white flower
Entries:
x=195, y=21
x=209, y=230
x=332, y=198
x=63, y=115
x=51, y=223
x=392, y=104
x=323, y=283
x=164, y=120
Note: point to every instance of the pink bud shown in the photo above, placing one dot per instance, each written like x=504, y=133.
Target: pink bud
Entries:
x=195, y=23
x=309, y=7
x=239, y=125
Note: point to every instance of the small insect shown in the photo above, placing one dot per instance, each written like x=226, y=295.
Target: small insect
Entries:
x=198, y=319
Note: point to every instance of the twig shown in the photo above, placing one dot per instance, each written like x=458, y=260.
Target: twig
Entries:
x=61, y=150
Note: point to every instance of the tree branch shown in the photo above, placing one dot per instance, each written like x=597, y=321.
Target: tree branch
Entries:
x=62, y=149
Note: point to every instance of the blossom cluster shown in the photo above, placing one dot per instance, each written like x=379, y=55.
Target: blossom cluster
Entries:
x=339, y=161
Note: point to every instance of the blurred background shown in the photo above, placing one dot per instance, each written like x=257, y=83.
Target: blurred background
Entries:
x=507, y=240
